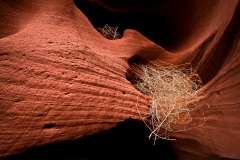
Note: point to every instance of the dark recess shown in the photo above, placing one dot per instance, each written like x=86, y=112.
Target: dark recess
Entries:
x=146, y=24
x=127, y=141
x=49, y=125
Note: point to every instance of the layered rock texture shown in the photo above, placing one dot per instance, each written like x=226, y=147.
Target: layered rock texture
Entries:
x=60, y=80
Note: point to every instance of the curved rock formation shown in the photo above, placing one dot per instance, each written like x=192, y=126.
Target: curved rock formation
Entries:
x=61, y=80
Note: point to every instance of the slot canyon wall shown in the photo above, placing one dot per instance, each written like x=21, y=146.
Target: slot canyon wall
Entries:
x=60, y=80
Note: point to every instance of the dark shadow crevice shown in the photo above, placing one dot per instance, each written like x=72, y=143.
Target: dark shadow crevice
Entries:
x=128, y=141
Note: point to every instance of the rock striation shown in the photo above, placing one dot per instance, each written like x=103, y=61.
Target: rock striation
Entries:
x=60, y=80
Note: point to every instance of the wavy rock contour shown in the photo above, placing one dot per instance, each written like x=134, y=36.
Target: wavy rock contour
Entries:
x=61, y=80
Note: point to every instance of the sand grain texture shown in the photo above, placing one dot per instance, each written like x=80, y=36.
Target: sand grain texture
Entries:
x=61, y=80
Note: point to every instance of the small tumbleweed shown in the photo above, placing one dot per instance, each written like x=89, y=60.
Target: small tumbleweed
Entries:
x=176, y=92
x=109, y=32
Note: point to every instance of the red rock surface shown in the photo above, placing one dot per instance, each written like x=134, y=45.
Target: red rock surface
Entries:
x=61, y=80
